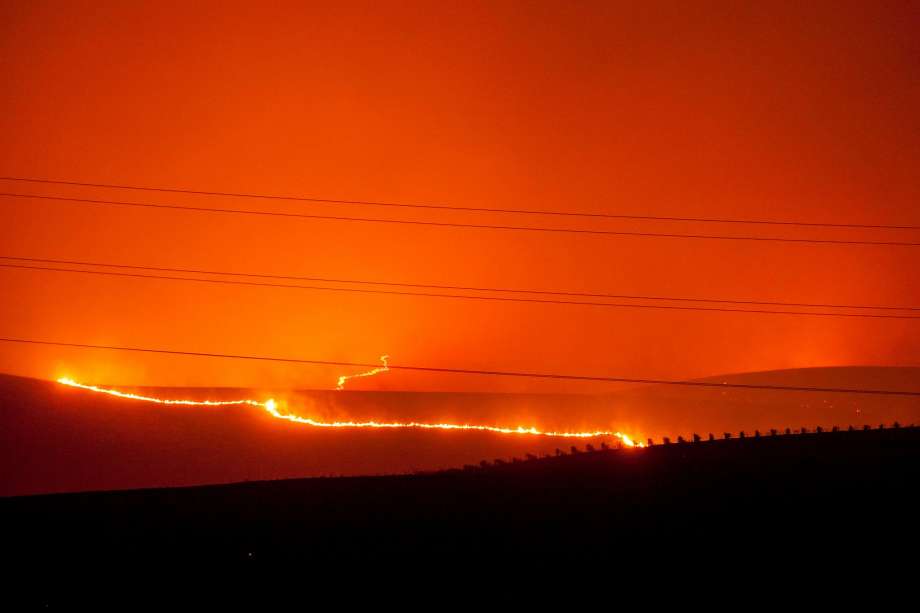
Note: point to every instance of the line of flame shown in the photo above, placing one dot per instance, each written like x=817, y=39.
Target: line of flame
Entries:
x=271, y=407
x=340, y=385
x=130, y=396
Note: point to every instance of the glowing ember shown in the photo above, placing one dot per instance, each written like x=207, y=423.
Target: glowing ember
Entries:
x=386, y=367
x=271, y=407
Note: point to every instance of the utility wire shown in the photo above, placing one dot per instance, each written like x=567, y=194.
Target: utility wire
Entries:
x=455, y=296
x=455, y=287
x=172, y=190
x=467, y=225
x=466, y=371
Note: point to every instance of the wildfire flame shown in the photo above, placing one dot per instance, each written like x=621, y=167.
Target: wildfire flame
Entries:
x=270, y=406
x=385, y=368
x=207, y=403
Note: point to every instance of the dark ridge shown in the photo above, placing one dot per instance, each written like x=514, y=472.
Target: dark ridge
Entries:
x=746, y=485
x=740, y=511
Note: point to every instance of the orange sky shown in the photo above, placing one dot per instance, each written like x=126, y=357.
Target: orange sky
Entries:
x=794, y=112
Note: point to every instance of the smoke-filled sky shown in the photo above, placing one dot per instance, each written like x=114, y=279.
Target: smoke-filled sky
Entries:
x=786, y=111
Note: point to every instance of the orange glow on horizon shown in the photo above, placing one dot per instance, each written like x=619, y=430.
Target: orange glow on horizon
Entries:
x=270, y=406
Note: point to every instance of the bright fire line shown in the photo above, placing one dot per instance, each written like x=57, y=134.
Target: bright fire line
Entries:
x=340, y=385
x=271, y=407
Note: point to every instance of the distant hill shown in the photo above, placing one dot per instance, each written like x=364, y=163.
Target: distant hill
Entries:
x=56, y=439
x=660, y=410
x=669, y=410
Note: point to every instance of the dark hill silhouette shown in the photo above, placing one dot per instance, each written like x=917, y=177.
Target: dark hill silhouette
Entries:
x=58, y=439
x=811, y=500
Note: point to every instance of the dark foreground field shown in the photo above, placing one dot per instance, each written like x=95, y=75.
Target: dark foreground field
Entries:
x=743, y=498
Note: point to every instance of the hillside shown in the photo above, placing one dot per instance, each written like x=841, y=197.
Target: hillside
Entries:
x=59, y=439
x=798, y=492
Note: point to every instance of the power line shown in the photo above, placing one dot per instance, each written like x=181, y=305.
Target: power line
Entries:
x=466, y=371
x=456, y=296
x=467, y=225
x=173, y=190
x=456, y=287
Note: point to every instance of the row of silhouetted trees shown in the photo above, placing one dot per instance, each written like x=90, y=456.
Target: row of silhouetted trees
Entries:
x=773, y=432
x=696, y=438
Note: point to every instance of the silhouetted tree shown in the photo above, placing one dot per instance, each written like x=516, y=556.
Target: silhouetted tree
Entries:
x=469, y=467
x=819, y=429
x=867, y=427
x=896, y=425
x=741, y=434
x=881, y=426
x=574, y=449
x=499, y=462
x=756, y=433
x=712, y=436
x=680, y=439
x=559, y=452
x=605, y=446
x=804, y=430
x=726, y=435
x=515, y=460
x=850, y=429
x=666, y=440
x=773, y=432
x=589, y=448
x=651, y=442
x=696, y=438
x=530, y=456
x=835, y=429
x=485, y=464
x=788, y=431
